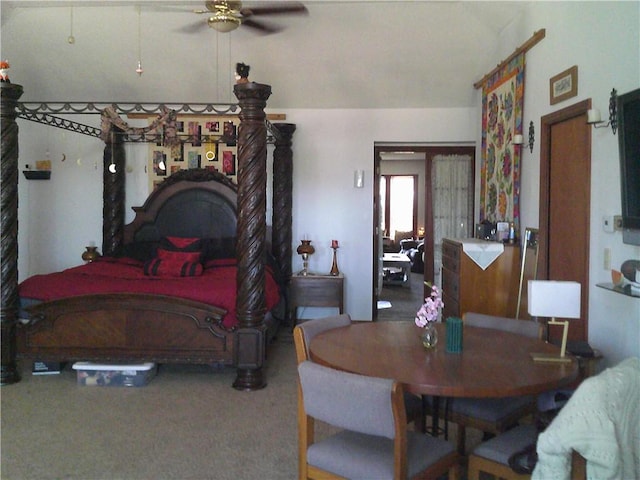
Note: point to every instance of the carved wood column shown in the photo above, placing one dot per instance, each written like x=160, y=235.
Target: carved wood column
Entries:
x=251, y=234
x=10, y=93
x=283, y=199
x=283, y=204
x=113, y=192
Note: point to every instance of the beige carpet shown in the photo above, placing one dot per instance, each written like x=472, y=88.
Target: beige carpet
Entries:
x=187, y=423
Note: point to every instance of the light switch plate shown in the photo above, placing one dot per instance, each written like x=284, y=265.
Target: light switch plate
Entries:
x=607, y=223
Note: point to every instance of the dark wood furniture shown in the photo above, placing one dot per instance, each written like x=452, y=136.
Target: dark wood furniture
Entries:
x=496, y=365
x=316, y=291
x=468, y=288
x=9, y=95
x=158, y=328
x=201, y=341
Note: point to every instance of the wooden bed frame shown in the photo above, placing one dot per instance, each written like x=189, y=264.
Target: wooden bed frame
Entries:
x=136, y=327
x=141, y=327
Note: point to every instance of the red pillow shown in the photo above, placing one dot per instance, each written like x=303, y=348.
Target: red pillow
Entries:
x=191, y=257
x=172, y=268
x=182, y=244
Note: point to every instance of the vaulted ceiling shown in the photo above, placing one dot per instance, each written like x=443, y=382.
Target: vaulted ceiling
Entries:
x=343, y=54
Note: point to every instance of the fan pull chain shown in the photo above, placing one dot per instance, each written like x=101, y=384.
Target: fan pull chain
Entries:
x=139, y=70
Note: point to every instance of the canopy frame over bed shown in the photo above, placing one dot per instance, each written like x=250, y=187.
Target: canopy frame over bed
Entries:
x=249, y=337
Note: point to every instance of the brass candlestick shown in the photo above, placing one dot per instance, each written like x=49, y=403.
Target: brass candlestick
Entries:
x=305, y=249
x=334, y=267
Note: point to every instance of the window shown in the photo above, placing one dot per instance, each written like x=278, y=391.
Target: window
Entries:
x=398, y=203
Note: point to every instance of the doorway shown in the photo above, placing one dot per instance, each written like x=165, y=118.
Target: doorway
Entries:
x=425, y=162
x=565, y=184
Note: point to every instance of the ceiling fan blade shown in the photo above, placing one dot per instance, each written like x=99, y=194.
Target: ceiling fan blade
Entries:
x=261, y=27
x=278, y=8
x=193, y=27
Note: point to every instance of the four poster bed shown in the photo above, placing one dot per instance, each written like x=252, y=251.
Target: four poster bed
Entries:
x=192, y=279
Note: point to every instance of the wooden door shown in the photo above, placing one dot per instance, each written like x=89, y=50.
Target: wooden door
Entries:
x=565, y=192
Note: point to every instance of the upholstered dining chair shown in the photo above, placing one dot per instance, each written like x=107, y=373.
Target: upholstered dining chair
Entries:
x=597, y=430
x=373, y=440
x=492, y=456
x=493, y=415
x=304, y=332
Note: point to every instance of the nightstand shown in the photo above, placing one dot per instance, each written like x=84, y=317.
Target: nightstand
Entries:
x=316, y=291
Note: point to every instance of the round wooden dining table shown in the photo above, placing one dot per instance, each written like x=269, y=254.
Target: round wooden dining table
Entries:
x=492, y=363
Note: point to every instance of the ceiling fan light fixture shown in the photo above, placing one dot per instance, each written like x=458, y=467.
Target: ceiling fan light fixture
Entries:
x=223, y=22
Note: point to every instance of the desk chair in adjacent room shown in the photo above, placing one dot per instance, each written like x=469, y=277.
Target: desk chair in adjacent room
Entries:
x=373, y=441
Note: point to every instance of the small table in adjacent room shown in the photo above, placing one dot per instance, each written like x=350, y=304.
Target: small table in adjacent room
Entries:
x=316, y=291
x=396, y=268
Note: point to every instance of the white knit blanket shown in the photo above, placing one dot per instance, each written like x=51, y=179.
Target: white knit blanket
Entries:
x=601, y=421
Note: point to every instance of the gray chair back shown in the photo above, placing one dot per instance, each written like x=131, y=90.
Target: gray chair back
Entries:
x=311, y=328
x=527, y=328
x=346, y=400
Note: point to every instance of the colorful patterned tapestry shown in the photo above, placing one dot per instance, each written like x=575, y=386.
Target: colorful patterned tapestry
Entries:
x=502, y=99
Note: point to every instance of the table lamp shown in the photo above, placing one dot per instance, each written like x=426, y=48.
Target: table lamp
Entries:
x=554, y=299
x=304, y=250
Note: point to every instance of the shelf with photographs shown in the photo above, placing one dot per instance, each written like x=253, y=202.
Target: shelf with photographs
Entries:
x=207, y=141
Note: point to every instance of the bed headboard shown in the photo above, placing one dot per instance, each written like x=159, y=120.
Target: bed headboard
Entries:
x=190, y=203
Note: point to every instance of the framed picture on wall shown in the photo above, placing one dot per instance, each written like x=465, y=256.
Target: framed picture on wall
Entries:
x=159, y=157
x=228, y=162
x=564, y=85
x=211, y=151
x=194, y=160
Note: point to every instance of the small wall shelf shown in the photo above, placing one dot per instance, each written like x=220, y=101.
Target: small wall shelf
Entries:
x=37, y=174
x=626, y=290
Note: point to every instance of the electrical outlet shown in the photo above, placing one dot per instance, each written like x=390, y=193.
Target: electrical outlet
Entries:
x=617, y=223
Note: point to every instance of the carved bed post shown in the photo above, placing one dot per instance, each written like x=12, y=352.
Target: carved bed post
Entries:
x=113, y=193
x=10, y=93
x=283, y=202
x=251, y=234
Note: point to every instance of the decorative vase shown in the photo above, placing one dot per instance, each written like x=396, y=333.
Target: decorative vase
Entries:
x=429, y=336
x=90, y=254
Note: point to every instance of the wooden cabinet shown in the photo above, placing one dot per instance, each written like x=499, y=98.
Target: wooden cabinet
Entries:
x=468, y=288
x=316, y=291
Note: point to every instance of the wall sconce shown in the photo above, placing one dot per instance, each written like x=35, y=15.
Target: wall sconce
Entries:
x=518, y=139
x=358, y=179
x=593, y=114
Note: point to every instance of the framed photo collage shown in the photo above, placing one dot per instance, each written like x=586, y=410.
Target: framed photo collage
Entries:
x=207, y=141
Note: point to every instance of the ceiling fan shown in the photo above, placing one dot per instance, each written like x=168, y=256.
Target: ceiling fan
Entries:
x=227, y=15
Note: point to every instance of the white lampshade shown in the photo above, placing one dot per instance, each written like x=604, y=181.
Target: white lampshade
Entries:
x=518, y=139
x=555, y=299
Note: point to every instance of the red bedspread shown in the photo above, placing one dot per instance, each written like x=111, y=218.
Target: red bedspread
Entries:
x=216, y=286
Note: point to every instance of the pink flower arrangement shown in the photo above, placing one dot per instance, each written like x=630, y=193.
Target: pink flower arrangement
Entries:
x=430, y=308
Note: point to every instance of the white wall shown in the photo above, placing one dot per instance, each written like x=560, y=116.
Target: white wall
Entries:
x=603, y=40
x=328, y=146
x=59, y=217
